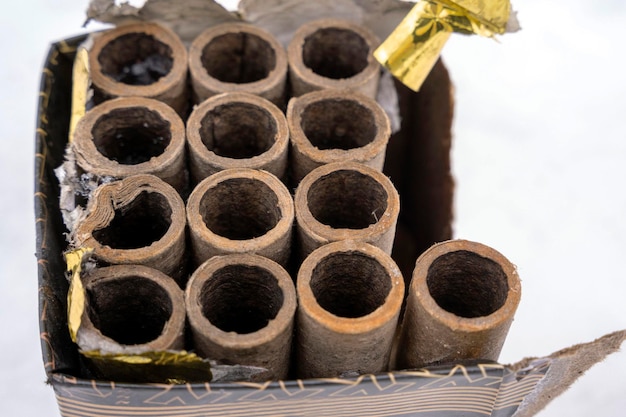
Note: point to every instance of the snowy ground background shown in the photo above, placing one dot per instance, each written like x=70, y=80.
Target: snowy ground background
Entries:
x=539, y=158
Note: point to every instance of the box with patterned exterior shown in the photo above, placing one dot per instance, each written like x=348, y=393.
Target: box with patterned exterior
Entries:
x=418, y=162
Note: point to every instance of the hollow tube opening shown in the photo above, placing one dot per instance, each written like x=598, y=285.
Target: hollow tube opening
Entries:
x=238, y=58
x=338, y=124
x=335, y=53
x=136, y=59
x=241, y=298
x=142, y=222
x=131, y=135
x=347, y=199
x=238, y=130
x=240, y=209
x=467, y=284
x=131, y=310
x=350, y=284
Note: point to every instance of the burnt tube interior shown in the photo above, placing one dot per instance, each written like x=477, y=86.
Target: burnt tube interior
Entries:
x=131, y=310
x=238, y=58
x=131, y=135
x=467, y=284
x=138, y=224
x=241, y=298
x=338, y=124
x=238, y=130
x=335, y=53
x=240, y=209
x=136, y=59
x=350, y=284
x=347, y=199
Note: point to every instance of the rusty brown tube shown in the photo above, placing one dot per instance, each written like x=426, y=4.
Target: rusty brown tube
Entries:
x=237, y=130
x=349, y=299
x=240, y=210
x=141, y=59
x=334, y=54
x=238, y=57
x=461, y=302
x=139, y=220
x=130, y=310
x=129, y=136
x=345, y=201
x=334, y=126
x=241, y=310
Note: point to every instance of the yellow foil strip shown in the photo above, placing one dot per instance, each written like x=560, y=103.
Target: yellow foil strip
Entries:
x=80, y=87
x=76, y=293
x=414, y=46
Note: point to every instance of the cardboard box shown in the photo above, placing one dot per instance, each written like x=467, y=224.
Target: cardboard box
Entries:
x=421, y=171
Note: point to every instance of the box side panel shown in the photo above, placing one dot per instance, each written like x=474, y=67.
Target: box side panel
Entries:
x=418, y=162
x=469, y=391
x=59, y=353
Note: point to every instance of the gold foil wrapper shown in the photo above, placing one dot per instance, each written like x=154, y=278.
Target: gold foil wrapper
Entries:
x=80, y=88
x=415, y=45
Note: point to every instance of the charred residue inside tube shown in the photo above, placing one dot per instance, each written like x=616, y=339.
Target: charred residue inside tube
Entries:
x=238, y=130
x=138, y=224
x=131, y=135
x=131, y=310
x=136, y=59
x=335, y=53
x=347, y=199
x=350, y=284
x=238, y=58
x=241, y=298
x=240, y=209
x=467, y=284
x=338, y=124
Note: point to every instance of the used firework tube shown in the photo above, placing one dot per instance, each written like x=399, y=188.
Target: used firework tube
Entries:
x=346, y=201
x=238, y=57
x=142, y=59
x=130, y=136
x=130, y=310
x=241, y=310
x=237, y=130
x=349, y=299
x=461, y=302
x=334, y=54
x=240, y=210
x=139, y=220
x=334, y=125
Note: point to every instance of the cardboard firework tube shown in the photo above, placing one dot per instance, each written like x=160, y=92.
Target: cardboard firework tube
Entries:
x=139, y=220
x=336, y=125
x=460, y=305
x=240, y=210
x=142, y=59
x=241, y=310
x=237, y=130
x=238, y=57
x=336, y=54
x=131, y=136
x=342, y=201
x=349, y=299
x=130, y=310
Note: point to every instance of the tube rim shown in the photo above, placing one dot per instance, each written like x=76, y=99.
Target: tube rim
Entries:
x=198, y=73
x=307, y=303
x=100, y=165
x=163, y=84
x=208, y=157
x=274, y=235
x=319, y=230
x=499, y=317
x=233, y=340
